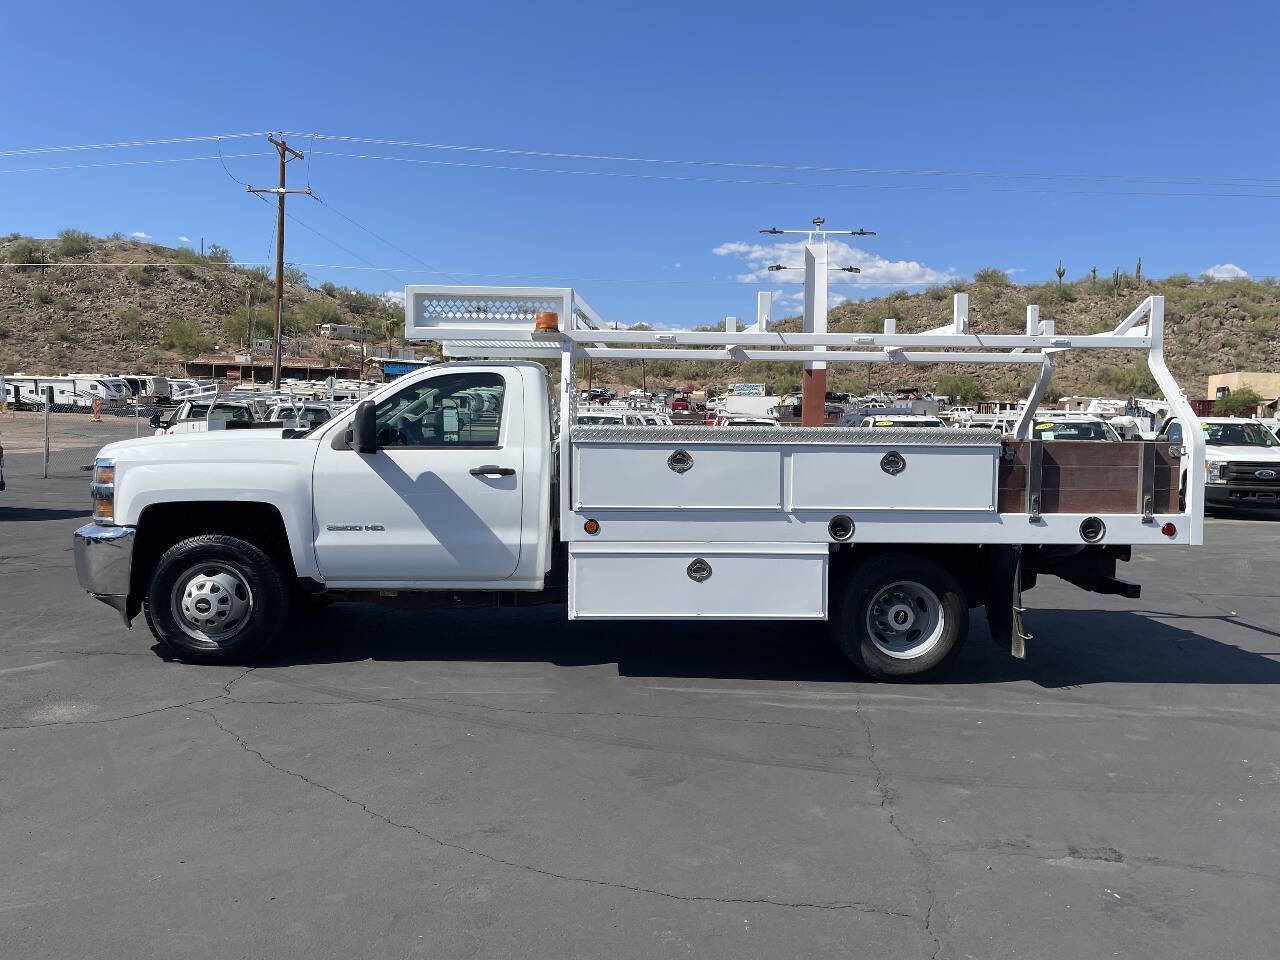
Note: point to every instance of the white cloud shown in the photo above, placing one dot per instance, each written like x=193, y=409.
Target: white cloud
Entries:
x=394, y=296
x=1225, y=271
x=184, y=239
x=139, y=235
x=677, y=265
x=876, y=271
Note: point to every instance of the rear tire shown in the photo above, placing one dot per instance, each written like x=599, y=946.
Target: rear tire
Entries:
x=216, y=599
x=900, y=615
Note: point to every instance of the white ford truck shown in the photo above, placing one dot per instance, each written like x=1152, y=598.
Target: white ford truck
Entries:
x=472, y=477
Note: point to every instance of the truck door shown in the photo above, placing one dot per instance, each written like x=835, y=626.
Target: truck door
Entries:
x=441, y=499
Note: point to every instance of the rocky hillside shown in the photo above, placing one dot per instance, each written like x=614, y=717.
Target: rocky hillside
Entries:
x=118, y=305
x=114, y=304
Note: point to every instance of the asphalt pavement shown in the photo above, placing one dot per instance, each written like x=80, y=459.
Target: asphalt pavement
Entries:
x=502, y=783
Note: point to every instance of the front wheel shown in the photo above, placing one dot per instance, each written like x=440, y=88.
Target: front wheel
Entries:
x=216, y=599
x=899, y=615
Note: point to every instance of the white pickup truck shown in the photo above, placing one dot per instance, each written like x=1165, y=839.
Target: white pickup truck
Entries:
x=473, y=476
x=1242, y=462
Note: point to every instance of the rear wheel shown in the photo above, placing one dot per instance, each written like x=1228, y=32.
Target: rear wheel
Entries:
x=899, y=615
x=216, y=599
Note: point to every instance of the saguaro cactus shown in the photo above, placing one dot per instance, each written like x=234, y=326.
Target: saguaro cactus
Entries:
x=1137, y=274
x=1093, y=276
x=1061, y=272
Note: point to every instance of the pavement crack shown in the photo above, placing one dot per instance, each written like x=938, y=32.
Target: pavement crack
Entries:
x=850, y=905
x=127, y=716
x=226, y=687
x=887, y=799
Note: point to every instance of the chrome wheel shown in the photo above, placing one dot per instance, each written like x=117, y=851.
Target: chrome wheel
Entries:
x=212, y=602
x=905, y=620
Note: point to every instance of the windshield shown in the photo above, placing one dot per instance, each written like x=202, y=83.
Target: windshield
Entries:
x=221, y=413
x=1239, y=435
x=595, y=420
x=1074, y=430
x=905, y=423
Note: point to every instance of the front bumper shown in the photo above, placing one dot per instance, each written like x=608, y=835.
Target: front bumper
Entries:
x=104, y=558
x=1242, y=494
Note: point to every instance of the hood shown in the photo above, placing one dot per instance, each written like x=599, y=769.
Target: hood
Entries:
x=205, y=445
x=1214, y=451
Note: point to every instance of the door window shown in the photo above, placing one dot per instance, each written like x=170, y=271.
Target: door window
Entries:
x=454, y=410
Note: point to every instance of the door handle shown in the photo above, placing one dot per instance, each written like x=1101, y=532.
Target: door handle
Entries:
x=492, y=470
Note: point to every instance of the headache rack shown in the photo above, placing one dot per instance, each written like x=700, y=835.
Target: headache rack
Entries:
x=1043, y=491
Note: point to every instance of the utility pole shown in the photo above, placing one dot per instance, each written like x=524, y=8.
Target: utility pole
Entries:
x=813, y=385
x=286, y=154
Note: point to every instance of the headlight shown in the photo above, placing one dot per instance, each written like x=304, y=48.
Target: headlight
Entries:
x=103, y=491
x=1215, y=471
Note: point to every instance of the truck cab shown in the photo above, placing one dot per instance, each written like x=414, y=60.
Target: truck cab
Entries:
x=440, y=480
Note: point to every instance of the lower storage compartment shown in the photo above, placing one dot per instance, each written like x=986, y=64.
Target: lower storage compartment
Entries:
x=673, y=581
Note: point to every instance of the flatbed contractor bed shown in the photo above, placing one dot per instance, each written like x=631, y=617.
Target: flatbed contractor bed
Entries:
x=471, y=479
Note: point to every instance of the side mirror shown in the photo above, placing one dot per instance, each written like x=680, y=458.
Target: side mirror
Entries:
x=155, y=419
x=364, y=429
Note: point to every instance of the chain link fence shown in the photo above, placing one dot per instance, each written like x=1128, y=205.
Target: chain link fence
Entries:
x=62, y=442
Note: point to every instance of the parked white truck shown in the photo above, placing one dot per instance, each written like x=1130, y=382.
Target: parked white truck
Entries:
x=889, y=535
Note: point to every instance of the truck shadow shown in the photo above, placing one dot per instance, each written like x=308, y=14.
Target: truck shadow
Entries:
x=1070, y=647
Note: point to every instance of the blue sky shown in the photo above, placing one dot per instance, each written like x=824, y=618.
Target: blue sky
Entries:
x=1172, y=91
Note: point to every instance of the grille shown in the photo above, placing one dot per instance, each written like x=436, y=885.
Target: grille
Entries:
x=1239, y=472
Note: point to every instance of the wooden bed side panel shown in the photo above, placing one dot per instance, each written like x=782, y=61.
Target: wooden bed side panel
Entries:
x=1086, y=476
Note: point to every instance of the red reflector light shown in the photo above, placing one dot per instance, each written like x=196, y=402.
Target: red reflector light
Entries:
x=592, y=527
x=1169, y=530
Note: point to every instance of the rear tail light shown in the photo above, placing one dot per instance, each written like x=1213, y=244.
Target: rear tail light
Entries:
x=1169, y=530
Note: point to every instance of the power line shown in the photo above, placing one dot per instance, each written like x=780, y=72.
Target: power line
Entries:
x=369, y=264
x=131, y=163
x=746, y=181
x=168, y=141
x=389, y=243
x=1216, y=181
x=802, y=168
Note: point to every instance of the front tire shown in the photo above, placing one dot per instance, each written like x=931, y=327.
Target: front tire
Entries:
x=899, y=615
x=216, y=599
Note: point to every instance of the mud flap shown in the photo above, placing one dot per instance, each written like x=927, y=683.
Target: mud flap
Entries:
x=1004, y=603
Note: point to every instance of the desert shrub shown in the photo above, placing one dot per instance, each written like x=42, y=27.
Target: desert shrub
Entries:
x=312, y=313
x=72, y=243
x=1237, y=403
x=131, y=327
x=937, y=293
x=960, y=387
x=218, y=255
x=26, y=252
x=1260, y=328
x=60, y=333
x=295, y=276
x=186, y=255
x=1179, y=280
x=41, y=294
x=138, y=274
x=992, y=275
x=1134, y=380
x=329, y=288
x=184, y=270
x=186, y=336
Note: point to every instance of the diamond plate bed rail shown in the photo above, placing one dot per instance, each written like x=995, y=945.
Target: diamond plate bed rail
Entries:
x=882, y=436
